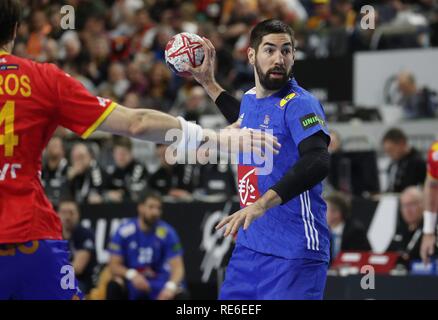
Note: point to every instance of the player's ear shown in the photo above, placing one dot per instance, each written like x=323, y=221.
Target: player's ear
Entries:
x=251, y=55
x=17, y=25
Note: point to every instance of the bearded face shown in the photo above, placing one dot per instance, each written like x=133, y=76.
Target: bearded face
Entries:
x=274, y=60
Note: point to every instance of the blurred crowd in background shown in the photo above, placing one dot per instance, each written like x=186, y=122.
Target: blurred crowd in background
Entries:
x=117, y=47
x=117, y=51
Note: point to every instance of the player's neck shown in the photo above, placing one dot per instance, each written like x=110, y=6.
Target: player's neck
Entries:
x=53, y=163
x=66, y=234
x=143, y=226
x=261, y=92
x=6, y=48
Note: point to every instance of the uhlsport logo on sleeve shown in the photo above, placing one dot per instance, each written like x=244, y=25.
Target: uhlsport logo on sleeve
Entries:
x=310, y=120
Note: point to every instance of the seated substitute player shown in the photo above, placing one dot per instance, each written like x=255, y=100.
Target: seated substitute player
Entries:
x=284, y=254
x=81, y=243
x=428, y=242
x=147, y=253
x=34, y=100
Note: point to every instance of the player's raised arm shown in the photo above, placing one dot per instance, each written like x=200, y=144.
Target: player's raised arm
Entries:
x=204, y=74
x=153, y=125
x=144, y=124
x=84, y=113
x=428, y=242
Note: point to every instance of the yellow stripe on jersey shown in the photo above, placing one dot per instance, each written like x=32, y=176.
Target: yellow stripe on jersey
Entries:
x=3, y=53
x=433, y=178
x=99, y=121
x=435, y=146
x=286, y=99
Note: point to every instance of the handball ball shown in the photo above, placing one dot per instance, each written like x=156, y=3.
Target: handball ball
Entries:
x=184, y=48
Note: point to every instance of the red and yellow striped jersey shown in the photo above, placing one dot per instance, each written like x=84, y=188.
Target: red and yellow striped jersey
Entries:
x=34, y=99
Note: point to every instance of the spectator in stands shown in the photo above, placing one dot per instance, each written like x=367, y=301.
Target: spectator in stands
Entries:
x=223, y=54
x=346, y=233
x=87, y=181
x=40, y=28
x=407, y=167
x=136, y=79
x=194, y=106
x=216, y=178
x=160, y=94
x=117, y=82
x=177, y=180
x=338, y=35
x=142, y=24
x=127, y=178
x=97, y=66
x=416, y=103
x=81, y=243
x=132, y=100
x=335, y=142
x=407, y=238
x=54, y=172
x=340, y=172
x=146, y=256
x=237, y=19
x=434, y=28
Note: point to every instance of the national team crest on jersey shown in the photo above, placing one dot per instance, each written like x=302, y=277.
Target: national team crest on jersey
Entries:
x=8, y=67
x=248, y=185
x=103, y=102
x=266, y=122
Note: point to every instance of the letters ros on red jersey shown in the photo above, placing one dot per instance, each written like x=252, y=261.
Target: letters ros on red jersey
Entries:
x=34, y=100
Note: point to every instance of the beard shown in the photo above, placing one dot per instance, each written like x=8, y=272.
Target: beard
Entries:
x=273, y=84
x=53, y=156
x=149, y=222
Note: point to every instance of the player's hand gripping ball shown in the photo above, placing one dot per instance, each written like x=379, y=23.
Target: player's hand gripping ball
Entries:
x=184, y=48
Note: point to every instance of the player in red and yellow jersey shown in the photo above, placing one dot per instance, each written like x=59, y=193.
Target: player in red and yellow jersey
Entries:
x=431, y=204
x=34, y=100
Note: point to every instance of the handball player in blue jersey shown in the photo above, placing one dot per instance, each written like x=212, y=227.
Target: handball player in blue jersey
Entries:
x=36, y=98
x=282, y=246
x=147, y=252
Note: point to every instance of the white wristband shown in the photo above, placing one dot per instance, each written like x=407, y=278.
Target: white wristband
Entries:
x=130, y=274
x=170, y=285
x=192, y=136
x=429, y=222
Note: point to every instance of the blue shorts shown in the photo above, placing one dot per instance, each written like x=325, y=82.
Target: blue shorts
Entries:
x=252, y=275
x=37, y=270
x=156, y=284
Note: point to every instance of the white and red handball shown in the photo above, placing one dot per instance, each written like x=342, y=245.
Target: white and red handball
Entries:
x=183, y=48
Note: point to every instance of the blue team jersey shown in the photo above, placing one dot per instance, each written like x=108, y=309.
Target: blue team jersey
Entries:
x=297, y=229
x=147, y=252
